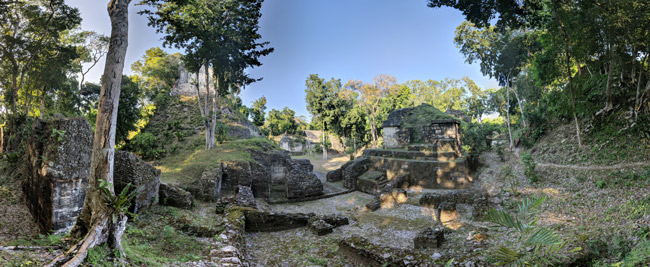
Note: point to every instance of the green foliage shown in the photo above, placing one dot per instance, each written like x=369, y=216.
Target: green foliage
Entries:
x=145, y=145
x=419, y=116
x=535, y=245
x=129, y=111
x=257, y=111
x=58, y=134
x=324, y=103
x=98, y=256
x=475, y=141
x=529, y=167
x=118, y=203
x=601, y=184
x=156, y=74
x=165, y=235
x=36, y=57
x=281, y=122
x=221, y=132
x=501, y=153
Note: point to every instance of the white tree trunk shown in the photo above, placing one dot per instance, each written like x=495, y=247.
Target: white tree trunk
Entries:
x=508, y=115
x=324, y=143
x=521, y=108
x=97, y=222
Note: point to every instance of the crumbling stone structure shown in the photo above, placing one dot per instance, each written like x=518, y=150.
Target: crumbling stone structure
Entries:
x=271, y=175
x=56, y=171
x=417, y=152
x=57, y=167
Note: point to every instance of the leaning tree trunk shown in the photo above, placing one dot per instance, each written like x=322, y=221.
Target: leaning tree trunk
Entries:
x=98, y=222
x=209, y=134
x=508, y=115
x=521, y=108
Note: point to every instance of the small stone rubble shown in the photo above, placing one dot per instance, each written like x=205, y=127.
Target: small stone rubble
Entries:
x=172, y=195
x=429, y=238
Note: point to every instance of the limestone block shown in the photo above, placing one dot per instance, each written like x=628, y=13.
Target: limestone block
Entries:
x=141, y=175
x=429, y=238
x=175, y=196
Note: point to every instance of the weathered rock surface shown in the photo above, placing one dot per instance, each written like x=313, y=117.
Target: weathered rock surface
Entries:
x=303, y=165
x=143, y=177
x=320, y=227
x=334, y=176
x=429, y=238
x=301, y=184
x=56, y=170
x=257, y=221
x=244, y=197
x=352, y=170
x=363, y=252
x=172, y=195
x=374, y=204
x=208, y=187
x=476, y=198
x=335, y=220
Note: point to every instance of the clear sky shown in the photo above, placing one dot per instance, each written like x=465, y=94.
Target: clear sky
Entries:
x=346, y=39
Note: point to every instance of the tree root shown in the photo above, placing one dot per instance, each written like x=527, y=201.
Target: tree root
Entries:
x=103, y=230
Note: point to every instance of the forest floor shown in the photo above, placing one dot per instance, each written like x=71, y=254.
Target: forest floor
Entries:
x=601, y=205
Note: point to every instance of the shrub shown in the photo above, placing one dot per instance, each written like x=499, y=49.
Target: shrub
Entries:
x=529, y=167
x=474, y=143
x=146, y=145
x=221, y=132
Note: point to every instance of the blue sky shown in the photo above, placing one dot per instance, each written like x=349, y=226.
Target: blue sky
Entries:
x=346, y=39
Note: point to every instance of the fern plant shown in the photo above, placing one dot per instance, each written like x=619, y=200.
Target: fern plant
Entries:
x=535, y=246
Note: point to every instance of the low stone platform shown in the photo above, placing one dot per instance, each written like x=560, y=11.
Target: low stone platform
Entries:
x=426, y=173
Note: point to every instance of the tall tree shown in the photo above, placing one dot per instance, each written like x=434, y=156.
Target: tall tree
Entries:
x=222, y=34
x=98, y=222
x=370, y=97
x=30, y=38
x=257, y=111
x=317, y=98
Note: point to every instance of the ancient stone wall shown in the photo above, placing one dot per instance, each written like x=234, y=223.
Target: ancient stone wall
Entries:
x=57, y=167
x=56, y=171
x=293, y=145
x=441, y=129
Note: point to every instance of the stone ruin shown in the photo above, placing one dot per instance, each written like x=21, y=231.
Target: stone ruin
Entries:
x=56, y=170
x=271, y=175
x=435, y=161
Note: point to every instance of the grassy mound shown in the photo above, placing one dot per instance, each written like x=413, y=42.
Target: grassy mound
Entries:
x=188, y=164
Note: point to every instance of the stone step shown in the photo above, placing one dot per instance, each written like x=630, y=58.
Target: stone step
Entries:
x=416, y=155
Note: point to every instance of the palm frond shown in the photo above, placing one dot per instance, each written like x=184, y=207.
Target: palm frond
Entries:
x=529, y=207
x=503, y=218
x=506, y=256
x=543, y=237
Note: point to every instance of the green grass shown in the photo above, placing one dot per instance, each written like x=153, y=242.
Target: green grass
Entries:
x=167, y=234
